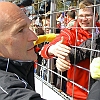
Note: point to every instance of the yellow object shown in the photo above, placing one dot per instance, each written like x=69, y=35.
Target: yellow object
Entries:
x=45, y=38
x=95, y=68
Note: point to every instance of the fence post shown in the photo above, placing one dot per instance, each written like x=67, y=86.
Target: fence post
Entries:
x=53, y=30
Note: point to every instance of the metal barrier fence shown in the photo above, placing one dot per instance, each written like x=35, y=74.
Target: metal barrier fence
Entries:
x=47, y=68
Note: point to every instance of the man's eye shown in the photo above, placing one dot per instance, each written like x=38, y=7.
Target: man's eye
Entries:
x=80, y=16
x=20, y=30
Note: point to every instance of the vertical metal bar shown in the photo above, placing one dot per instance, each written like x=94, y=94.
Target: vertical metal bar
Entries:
x=61, y=82
x=53, y=30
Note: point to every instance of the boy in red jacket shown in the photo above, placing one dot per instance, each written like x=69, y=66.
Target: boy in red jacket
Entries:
x=74, y=36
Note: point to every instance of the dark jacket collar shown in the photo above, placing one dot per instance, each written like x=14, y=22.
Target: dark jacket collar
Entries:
x=23, y=69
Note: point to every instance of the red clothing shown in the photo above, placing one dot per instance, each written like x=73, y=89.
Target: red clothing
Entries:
x=79, y=76
x=37, y=49
x=66, y=20
x=98, y=24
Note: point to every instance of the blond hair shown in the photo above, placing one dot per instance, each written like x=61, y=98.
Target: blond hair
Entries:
x=87, y=3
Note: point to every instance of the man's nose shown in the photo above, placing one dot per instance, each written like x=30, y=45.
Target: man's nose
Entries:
x=32, y=36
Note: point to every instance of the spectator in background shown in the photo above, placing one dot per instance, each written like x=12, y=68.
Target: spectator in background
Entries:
x=25, y=3
x=45, y=6
x=82, y=54
x=71, y=19
x=86, y=20
x=46, y=24
x=47, y=30
x=42, y=7
x=36, y=26
x=61, y=20
x=17, y=55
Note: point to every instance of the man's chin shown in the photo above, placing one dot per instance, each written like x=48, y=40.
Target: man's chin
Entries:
x=35, y=58
x=31, y=58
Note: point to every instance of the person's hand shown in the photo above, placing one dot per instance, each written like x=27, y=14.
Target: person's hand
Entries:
x=59, y=49
x=63, y=64
x=95, y=68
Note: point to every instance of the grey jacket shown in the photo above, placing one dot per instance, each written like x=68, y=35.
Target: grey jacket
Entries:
x=85, y=50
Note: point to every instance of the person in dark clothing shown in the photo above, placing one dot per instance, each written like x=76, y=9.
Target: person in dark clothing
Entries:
x=43, y=5
x=25, y=3
x=17, y=55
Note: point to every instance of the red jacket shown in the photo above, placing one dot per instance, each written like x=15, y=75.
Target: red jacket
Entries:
x=78, y=75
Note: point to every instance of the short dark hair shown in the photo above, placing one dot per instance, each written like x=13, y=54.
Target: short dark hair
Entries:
x=71, y=14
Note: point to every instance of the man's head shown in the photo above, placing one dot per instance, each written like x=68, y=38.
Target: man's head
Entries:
x=37, y=26
x=16, y=39
x=71, y=14
x=46, y=24
x=87, y=15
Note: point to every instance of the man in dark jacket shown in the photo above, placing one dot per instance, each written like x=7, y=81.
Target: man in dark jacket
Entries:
x=17, y=55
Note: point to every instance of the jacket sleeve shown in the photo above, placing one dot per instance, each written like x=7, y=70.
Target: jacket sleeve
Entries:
x=14, y=88
x=69, y=38
x=85, y=50
x=79, y=53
